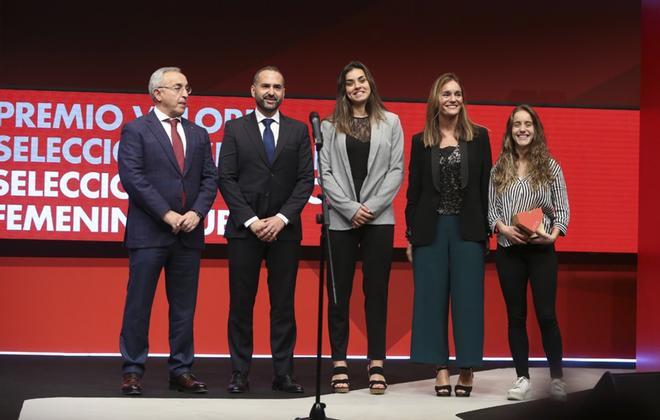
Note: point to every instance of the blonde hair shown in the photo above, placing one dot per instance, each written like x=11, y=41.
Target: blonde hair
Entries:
x=465, y=129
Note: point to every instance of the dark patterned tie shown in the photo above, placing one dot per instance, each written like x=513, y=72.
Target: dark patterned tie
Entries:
x=269, y=139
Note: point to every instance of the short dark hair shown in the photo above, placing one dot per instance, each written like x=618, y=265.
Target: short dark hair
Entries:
x=266, y=68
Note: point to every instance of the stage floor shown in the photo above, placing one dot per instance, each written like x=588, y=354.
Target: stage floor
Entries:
x=411, y=400
x=88, y=388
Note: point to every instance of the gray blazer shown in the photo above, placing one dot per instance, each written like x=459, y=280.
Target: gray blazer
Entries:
x=384, y=173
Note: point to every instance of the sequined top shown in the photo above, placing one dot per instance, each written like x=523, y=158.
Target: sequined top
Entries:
x=450, y=181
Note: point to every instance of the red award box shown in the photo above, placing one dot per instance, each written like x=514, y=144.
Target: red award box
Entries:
x=530, y=221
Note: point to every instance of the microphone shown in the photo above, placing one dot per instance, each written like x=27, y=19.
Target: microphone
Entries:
x=316, y=128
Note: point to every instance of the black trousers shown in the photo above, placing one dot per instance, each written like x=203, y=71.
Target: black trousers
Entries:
x=245, y=257
x=516, y=265
x=375, y=243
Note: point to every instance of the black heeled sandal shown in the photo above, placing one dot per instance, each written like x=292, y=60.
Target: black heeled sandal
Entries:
x=373, y=389
x=464, y=390
x=340, y=370
x=442, y=390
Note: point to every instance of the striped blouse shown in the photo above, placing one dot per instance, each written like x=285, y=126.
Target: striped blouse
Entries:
x=520, y=196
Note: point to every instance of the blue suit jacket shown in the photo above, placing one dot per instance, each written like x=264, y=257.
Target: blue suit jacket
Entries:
x=151, y=176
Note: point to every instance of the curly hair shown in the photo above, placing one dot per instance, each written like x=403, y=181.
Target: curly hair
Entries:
x=505, y=171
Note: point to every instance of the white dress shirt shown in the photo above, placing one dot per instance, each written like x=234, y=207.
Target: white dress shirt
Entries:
x=275, y=128
x=165, y=120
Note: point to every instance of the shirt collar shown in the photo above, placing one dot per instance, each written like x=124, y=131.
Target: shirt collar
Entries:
x=261, y=116
x=162, y=116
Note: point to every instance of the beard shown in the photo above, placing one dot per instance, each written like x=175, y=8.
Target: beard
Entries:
x=261, y=103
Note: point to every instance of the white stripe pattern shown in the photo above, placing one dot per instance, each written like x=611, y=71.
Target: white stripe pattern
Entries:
x=521, y=196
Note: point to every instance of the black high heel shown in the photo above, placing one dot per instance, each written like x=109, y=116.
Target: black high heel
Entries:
x=373, y=389
x=442, y=390
x=464, y=390
x=340, y=370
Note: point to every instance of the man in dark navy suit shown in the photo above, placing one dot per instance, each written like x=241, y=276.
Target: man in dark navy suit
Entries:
x=266, y=176
x=166, y=167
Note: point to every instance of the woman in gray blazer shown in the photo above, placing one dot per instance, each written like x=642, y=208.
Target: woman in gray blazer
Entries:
x=362, y=169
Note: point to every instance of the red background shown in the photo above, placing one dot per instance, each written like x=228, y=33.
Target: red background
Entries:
x=648, y=286
x=75, y=305
x=586, y=142
x=602, y=184
x=564, y=53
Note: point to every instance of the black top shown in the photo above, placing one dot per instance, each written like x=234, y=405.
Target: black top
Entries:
x=357, y=148
x=450, y=181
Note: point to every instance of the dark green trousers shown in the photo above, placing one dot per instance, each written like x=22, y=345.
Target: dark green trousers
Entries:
x=448, y=270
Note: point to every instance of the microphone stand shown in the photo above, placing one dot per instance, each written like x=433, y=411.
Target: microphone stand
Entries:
x=318, y=409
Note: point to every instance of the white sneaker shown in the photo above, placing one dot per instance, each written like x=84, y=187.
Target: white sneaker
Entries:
x=558, y=389
x=521, y=390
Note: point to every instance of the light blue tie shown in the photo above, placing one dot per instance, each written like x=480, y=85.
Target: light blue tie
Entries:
x=269, y=139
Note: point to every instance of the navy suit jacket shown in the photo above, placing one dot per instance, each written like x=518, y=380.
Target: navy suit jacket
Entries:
x=251, y=187
x=151, y=176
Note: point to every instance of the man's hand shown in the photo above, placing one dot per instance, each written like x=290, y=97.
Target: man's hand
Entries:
x=189, y=221
x=273, y=227
x=172, y=218
x=362, y=216
x=258, y=228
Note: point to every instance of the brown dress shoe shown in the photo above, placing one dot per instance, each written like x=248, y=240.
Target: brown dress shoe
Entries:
x=186, y=382
x=131, y=384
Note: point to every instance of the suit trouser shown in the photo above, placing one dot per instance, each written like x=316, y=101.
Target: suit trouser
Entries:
x=375, y=243
x=245, y=257
x=448, y=269
x=181, y=266
x=538, y=263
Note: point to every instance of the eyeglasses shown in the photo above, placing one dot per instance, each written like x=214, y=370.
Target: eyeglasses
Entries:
x=178, y=88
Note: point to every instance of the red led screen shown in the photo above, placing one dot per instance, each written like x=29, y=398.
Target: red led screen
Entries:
x=58, y=169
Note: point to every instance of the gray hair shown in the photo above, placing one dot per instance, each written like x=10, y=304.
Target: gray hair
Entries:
x=156, y=79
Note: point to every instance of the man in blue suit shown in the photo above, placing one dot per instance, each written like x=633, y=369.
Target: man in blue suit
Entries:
x=166, y=167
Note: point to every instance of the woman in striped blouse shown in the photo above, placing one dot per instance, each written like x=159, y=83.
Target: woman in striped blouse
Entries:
x=527, y=177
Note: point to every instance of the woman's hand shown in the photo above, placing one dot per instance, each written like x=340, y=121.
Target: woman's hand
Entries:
x=512, y=233
x=545, y=239
x=409, y=253
x=361, y=216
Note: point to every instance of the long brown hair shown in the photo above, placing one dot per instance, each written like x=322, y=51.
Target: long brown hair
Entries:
x=465, y=129
x=343, y=112
x=506, y=168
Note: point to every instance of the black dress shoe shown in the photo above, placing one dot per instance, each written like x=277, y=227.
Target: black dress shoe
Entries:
x=239, y=383
x=131, y=384
x=287, y=384
x=187, y=382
